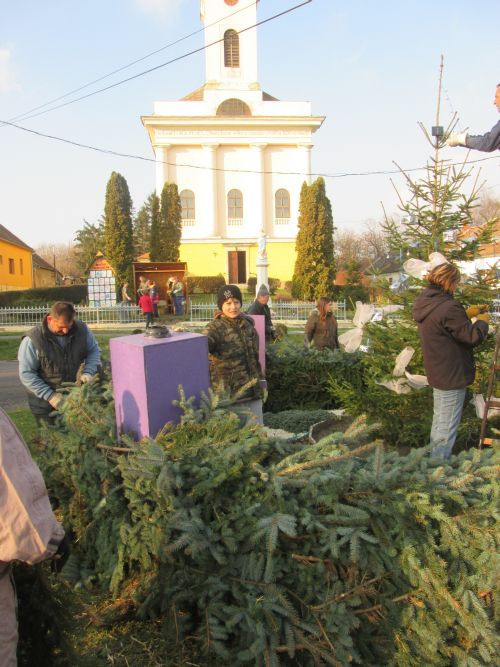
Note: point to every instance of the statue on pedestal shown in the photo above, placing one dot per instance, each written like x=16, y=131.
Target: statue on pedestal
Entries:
x=261, y=245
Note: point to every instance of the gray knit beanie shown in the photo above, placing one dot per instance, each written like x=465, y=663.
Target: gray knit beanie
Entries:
x=263, y=291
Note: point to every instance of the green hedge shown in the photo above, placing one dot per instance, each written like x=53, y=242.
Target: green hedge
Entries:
x=43, y=295
x=205, y=284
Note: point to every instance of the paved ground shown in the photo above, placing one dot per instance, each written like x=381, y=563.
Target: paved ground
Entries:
x=12, y=393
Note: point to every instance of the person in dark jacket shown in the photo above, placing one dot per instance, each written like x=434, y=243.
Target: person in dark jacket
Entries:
x=321, y=327
x=54, y=352
x=260, y=307
x=447, y=337
x=233, y=346
x=488, y=142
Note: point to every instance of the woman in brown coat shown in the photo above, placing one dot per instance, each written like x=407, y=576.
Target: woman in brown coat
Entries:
x=321, y=327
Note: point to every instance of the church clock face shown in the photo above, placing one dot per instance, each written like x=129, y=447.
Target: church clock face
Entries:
x=230, y=2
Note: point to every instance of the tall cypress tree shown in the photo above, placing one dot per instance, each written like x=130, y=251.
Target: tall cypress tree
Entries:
x=118, y=233
x=142, y=227
x=153, y=203
x=314, y=271
x=166, y=245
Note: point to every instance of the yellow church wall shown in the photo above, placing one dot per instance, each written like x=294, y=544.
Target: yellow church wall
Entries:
x=210, y=259
x=15, y=267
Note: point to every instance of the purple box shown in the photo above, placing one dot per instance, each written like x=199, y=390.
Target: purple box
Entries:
x=260, y=323
x=146, y=374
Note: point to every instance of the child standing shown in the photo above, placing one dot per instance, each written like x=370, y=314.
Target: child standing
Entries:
x=146, y=305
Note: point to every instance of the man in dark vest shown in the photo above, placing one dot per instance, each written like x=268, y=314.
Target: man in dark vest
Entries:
x=260, y=307
x=52, y=353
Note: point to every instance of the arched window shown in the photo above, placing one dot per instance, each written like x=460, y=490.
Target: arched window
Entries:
x=231, y=49
x=187, y=208
x=282, y=207
x=233, y=107
x=234, y=207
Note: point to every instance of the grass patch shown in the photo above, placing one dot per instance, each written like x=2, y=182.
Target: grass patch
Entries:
x=8, y=348
x=25, y=423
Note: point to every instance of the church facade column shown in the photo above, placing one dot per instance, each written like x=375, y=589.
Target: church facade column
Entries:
x=161, y=155
x=305, y=162
x=259, y=190
x=211, y=189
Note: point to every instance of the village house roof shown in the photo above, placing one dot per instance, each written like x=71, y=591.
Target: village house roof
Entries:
x=42, y=264
x=9, y=237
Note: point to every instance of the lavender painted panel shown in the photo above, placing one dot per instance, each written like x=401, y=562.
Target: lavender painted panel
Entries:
x=129, y=387
x=260, y=321
x=146, y=373
x=182, y=360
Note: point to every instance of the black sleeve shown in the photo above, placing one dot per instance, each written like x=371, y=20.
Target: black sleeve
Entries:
x=461, y=328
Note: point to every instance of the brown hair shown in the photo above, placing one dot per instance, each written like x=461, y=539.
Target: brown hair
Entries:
x=446, y=276
x=321, y=305
x=63, y=309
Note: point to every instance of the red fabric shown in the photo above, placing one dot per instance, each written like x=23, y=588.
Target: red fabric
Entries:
x=146, y=304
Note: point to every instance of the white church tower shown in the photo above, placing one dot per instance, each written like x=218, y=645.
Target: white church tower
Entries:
x=238, y=155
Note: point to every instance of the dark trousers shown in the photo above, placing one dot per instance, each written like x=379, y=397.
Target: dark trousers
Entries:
x=149, y=319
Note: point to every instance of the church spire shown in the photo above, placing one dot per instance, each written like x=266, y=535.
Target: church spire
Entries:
x=231, y=63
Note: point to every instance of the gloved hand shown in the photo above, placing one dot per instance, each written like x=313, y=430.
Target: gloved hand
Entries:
x=473, y=311
x=61, y=555
x=55, y=400
x=457, y=139
x=85, y=377
x=484, y=317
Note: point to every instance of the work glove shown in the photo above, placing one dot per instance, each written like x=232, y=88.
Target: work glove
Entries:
x=457, y=139
x=484, y=317
x=85, y=377
x=55, y=400
x=473, y=311
x=61, y=555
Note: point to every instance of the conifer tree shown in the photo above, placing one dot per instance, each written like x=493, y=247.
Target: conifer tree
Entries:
x=142, y=226
x=314, y=271
x=118, y=235
x=165, y=247
x=155, y=225
x=89, y=241
x=439, y=205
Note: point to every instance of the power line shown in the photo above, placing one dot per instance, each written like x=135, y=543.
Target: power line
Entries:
x=168, y=62
x=21, y=116
x=108, y=151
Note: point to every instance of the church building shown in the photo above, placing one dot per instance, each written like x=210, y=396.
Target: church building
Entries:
x=238, y=155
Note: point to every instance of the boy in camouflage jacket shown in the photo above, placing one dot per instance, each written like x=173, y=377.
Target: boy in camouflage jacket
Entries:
x=233, y=347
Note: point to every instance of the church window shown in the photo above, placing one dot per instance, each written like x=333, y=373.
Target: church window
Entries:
x=231, y=49
x=233, y=107
x=234, y=207
x=187, y=208
x=282, y=206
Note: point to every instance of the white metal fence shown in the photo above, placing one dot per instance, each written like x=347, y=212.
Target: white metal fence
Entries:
x=280, y=310
x=31, y=315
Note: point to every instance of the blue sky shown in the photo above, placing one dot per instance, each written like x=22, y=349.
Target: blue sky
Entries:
x=371, y=68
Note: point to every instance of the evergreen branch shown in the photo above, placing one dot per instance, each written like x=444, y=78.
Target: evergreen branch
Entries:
x=332, y=459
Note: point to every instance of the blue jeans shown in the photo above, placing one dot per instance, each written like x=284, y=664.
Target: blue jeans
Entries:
x=448, y=404
x=178, y=304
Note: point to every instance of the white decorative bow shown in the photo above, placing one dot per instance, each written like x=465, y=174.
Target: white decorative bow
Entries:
x=417, y=268
x=365, y=312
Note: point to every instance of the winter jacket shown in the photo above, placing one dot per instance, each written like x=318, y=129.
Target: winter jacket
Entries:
x=485, y=142
x=258, y=308
x=146, y=303
x=57, y=364
x=322, y=333
x=233, y=346
x=447, y=337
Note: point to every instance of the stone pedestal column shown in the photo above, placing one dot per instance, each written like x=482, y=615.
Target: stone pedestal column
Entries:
x=210, y=213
